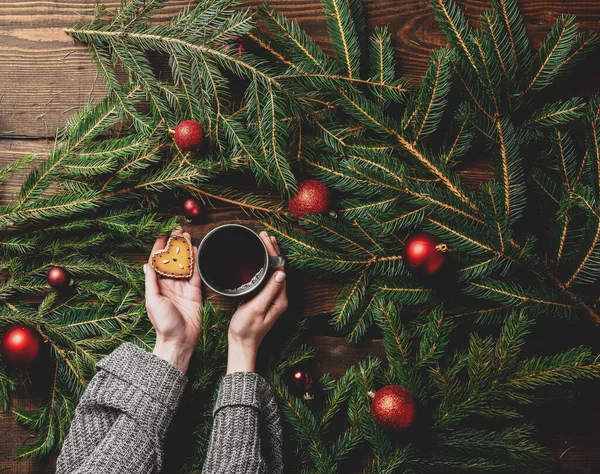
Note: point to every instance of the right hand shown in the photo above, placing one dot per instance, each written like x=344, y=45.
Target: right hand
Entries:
x=253, y=319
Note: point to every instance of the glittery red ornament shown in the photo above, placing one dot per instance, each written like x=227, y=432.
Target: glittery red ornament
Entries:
x=192, y=208
x=302, y=379
x=189, y=135
x=58, y=278
x=240, y=49
x=21, y=345
x=312, y=198
x=424, y=253
x=393, y=407
x=236, y=43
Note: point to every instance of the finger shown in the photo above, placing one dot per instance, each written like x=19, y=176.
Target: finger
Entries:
x=195, y=280
x=276, y=245
x=151, y=280
x=267, y=295
x=179, y=230
x=267, y=241
x=158, y=245
x=278, y=306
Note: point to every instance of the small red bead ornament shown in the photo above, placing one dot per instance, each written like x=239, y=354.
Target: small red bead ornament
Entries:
x=192, y=208
x=21, y=345
x=312, y=198
x=58, y=278
x=303, y=381
x=424, y=253
x=240, y=49
x=189, y=135
x=393, y=407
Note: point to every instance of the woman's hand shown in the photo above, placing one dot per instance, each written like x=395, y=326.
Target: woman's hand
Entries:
x=173, y=306
x=253, y=319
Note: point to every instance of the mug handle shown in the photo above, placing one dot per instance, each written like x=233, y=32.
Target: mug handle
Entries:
x=276, y=261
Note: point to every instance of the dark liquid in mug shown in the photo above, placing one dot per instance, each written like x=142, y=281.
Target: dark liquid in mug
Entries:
x=232, y=258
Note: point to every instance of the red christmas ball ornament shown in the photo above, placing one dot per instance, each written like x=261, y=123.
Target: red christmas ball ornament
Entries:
x=189, y=135
x=393, y=407
x=312, y=198
x=240, y=49
x=21, y=345
x=192, y=208
x=424, y=253
x=302, y=379
x=58, y=278
x=236, y=43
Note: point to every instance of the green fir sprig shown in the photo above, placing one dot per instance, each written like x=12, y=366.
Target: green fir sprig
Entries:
x=391, y=151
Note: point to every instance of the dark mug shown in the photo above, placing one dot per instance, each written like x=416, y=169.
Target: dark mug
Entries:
x=233, y=260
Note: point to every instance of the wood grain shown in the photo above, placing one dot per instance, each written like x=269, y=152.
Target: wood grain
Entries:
x=45, y=76
x=13, y=437
x=13, y=149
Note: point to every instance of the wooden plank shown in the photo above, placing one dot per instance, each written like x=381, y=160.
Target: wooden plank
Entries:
x=13, y=437
x=13, y=149
x=44, y=75
x=309, y=296
x=336, y=355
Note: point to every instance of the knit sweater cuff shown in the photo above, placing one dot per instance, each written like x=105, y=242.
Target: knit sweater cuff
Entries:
x=152, y=375
x=241, y=389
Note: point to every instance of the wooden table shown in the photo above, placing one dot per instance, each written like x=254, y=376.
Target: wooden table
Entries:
x=45, y=76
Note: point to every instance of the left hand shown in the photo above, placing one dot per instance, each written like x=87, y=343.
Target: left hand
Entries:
x=173, y=306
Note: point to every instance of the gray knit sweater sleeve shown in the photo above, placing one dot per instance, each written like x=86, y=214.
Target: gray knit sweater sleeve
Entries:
x=246, y=436
x=123, y=416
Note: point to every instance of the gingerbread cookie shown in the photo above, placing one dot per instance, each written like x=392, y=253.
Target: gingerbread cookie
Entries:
x=176, y=260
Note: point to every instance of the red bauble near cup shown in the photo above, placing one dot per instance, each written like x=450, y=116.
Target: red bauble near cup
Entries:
x=424, y=254
x=312, y=198
x=189, y=135
x=192, y=209
x=393, y=407
x=21, y=345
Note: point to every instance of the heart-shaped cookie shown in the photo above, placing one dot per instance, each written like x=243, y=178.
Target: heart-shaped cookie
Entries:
x=176, y=260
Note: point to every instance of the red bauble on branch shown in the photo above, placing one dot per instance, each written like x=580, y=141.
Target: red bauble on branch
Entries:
x=58, y=278
x=312, y=198
x=393, y=407
x=192, y=208
x=21, y=345
x=189, y=135
x=424, y=254
x=302, y=379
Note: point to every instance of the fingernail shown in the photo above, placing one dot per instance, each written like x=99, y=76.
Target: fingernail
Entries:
x=145, y=268
x=263, y=233
x=279, y=277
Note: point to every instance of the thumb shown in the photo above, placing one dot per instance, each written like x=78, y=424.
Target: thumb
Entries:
x=263, y=300
x=151, y=280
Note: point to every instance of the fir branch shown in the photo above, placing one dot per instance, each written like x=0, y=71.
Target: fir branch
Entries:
x=508, y=11
x=344, y=35
x=557, y=113
x=553, y=53
x=454, y=24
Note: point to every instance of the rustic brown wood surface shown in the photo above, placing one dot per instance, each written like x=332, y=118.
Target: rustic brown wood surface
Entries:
x=45, y=76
